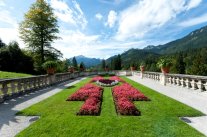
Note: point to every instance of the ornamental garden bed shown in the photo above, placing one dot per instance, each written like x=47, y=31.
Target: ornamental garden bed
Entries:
x=159, y=117
x=107, y=82
x=92, y=95
x=124, y=95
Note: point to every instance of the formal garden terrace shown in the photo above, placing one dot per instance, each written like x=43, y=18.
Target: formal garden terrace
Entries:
x=115, y=103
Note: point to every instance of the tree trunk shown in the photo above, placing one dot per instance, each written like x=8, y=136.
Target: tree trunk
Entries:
x=42, y=47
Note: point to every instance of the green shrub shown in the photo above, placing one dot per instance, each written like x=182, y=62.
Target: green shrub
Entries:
x=164, y=62
x=49, y=64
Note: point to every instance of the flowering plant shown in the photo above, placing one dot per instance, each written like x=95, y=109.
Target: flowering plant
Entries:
x=124, y=96
x=107, y=82
x=94, y=79
x=117, y=78
x=92, y=95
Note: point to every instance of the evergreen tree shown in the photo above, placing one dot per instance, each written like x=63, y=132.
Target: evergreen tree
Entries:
x=75, y=64
x=2, y=44
x=82, y=66
x=14, y=60
x=119, y=62
x=179, y=64
x=39, y=29
x=103, y=64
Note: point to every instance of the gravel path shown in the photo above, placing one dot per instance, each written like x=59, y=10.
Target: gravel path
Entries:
x=193, y=98
x=10, y=124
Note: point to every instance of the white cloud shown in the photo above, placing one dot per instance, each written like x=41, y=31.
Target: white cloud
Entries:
x=112, y=18
x=114, y=2
x=147, y=15
x=6, y=17
x=194, y=21
x=99, y=16
x=75, y=43
x=193, y=4
x=69, y=14
x=10, y=34
x=2, y=3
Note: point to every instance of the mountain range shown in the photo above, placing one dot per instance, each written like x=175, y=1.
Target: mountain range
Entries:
x=194, y=40
x=89, y=62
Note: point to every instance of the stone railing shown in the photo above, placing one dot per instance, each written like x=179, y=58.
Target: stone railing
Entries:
x=11, y=88
x=116, y=72
x=186, y=81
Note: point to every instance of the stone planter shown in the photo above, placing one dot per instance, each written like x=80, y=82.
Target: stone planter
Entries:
x=142, y=68
x=133, y=68
x=51, y=71
x=165, y=70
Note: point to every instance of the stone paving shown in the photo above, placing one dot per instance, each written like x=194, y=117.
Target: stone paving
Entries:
x=193, y=98
x=10, y=124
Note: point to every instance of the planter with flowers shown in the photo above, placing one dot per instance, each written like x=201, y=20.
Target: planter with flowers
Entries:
x=142, y=67
x=132, y=67
x=165, y=65
x=50, y=67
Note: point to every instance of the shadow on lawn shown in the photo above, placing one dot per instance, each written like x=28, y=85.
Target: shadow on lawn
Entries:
x=10, y=108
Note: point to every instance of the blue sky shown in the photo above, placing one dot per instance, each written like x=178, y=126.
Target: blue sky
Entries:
x=102, y=28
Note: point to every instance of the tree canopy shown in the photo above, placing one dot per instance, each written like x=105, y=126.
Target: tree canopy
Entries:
x=38, y=30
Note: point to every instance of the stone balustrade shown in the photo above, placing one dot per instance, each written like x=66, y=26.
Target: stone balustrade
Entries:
x=11, y=88
x=186, y=81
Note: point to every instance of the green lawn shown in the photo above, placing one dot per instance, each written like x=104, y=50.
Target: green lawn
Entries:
x=159, y=117
x=6, y=75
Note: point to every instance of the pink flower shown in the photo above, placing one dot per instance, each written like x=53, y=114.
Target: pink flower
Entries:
x=94, y=79
x=92, y=95
x=117, y=78
x=123, y=96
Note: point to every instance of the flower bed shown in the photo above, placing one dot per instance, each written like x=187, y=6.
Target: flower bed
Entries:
x=94, y=79
x=92, y=95
x=124, y=96
x=117, y=78
x=107, y=82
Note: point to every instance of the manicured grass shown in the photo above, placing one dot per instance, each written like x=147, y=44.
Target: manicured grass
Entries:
x=6, y=75
x=159, y=117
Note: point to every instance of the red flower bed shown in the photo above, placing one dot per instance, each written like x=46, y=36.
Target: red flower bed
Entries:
x=117, y=78
x=124, y=96
x=94, y=79
x=92, y=95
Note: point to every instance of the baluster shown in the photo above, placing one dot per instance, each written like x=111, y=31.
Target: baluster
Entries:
x=178, y=81
x=193, y=84
x=13, y=87
x=200, y=85
x=174, y=80
x=19, y=86
x=188, y=83
x=182, y=82
x=5, y=88
x=205, y=85
x=35, y=83
x=171, y=80
x=25, y=85
x=30, y=83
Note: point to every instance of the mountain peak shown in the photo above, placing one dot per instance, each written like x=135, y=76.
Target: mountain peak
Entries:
x=89, y=62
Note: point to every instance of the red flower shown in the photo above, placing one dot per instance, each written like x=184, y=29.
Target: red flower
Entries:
x=94, y=79
x=123, y=97
x=92, y=95
x=117, y=78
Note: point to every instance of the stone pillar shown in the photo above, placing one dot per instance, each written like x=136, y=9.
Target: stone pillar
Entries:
x=52, y=79
x=163, y=79
x=141, y=74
